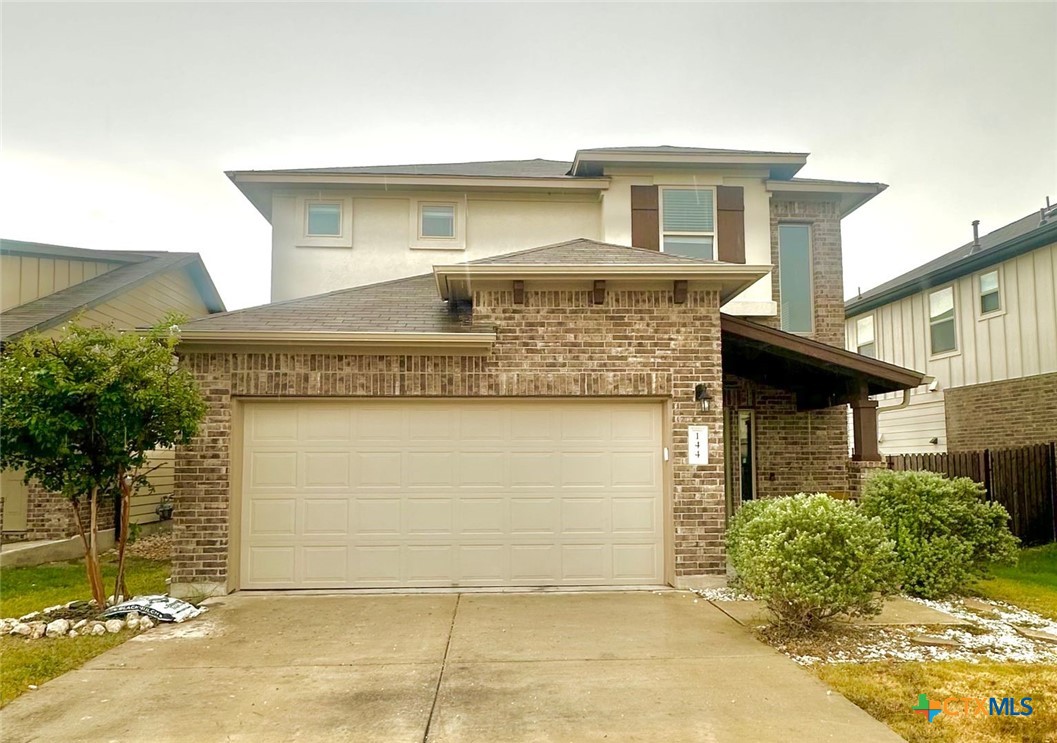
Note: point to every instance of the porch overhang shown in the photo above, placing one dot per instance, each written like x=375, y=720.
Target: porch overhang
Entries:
x=821, y=375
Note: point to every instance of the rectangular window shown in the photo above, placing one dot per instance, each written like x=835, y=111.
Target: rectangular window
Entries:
x=437, y=220
x=864, y=337
x=794, y=277
x=688, y=222
x=990, y=295
x=941, y=321
x=323, y=219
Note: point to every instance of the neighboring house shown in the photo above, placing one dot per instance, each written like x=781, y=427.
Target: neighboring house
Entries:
x=980, y=320
x=518, y=374
x=45, y=286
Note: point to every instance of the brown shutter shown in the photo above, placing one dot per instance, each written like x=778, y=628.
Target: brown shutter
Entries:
x=645, y=224
x=730, y=223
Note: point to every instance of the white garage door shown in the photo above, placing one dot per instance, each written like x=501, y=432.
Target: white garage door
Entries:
x=460, y=493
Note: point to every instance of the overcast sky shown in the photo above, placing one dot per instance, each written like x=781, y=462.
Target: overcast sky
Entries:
x=119, y=120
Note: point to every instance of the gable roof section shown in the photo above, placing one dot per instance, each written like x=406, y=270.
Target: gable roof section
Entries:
x=404, y=306
x=585, y=251
x=46, y=250
x=54, y=309
x=1021, y=236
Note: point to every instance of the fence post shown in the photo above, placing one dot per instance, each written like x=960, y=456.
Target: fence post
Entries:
x=985, y=472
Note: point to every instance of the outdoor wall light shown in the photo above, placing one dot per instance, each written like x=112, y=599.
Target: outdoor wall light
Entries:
x=702, y=395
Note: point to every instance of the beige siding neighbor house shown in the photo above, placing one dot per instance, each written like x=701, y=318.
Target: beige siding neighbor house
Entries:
x=981, y=321
x=45, y=286
x=523, y=373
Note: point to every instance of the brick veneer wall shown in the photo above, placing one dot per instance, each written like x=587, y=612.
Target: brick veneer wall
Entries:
x=49, y=516
x=558, y=343
x=827, y=263
x=796, y=451
x=1014, y=412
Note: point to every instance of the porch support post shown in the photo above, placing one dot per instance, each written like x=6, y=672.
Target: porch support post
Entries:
x=864, y=427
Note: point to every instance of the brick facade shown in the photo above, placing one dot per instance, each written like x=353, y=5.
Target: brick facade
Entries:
x=1014, y=412
x=638, y=343
x=827, y=263
x=49, y=516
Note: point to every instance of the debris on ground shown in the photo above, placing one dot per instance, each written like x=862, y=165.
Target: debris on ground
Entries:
x=159, y=606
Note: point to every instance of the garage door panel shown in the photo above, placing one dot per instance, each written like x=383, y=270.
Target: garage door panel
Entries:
x=325, y=564
x=273, y=469
x=466, y=493
x=325, y=517
x=327, y=469
x=377, y=516
x=273, y=516
x=377, y=469
x=428, y=516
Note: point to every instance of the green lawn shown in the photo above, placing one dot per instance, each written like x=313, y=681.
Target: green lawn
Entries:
x=22, y=590
x=1032, y=584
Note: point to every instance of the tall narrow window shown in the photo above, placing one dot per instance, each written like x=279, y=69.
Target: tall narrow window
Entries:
x=323, y=219
x=794, y=277
x=990, y=295
x=688, y=222
x=747, y=449
x=864, y=337
x=942, y=334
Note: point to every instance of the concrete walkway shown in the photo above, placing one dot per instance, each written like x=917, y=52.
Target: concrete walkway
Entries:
x=474, y=667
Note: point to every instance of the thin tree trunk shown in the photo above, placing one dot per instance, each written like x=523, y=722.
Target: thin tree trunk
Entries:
x=91, y=552
x=126, y=504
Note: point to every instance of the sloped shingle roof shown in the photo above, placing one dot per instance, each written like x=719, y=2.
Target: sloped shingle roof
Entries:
x=488, y=168
x=583, y=251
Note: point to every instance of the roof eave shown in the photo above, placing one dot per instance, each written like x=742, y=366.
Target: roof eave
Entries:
x=852, y=195
x=1040, y=237
x=781, y=164
x=365, y=339
x=733, y=278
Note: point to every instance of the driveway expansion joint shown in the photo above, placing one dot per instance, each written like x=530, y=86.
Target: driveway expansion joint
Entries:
x=443, y=665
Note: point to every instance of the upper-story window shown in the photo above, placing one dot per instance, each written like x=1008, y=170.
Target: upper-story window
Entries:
x=794, y=277
x=323, y=219
x=436, y=221
x=865, y=342
x=942, y=330
x=990, y=293
x=688, y=222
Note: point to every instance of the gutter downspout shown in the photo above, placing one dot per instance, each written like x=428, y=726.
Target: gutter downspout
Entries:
x=928, y=379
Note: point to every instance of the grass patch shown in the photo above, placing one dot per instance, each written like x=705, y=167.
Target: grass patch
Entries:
x=888, y=690
x=22, y=590
x=1032, y=584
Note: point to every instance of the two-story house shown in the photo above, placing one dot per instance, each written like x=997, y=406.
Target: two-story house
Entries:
x=523, y=373
x=981, y=321
x=43, y=287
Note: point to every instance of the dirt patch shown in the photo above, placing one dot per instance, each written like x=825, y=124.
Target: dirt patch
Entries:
x=153, y=547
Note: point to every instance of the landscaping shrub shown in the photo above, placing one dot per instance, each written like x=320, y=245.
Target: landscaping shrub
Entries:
x=810, y=557
x=944, y=530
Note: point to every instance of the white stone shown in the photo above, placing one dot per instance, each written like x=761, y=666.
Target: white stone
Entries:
x=132, y=620
x=58, y=628
x=113, y=626
x=28, y=617
x=50, y=609
x=145, y=623
x=73, y=633
x=80, y=624
x=98, y=629
x=37, y=630
x=22, y=628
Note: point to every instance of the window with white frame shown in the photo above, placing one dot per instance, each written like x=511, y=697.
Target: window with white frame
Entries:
x=323, y=218
x=436, y=221
x=865, y=342
x=990, y=293
x=688, y=222
x=794, y=278
x=942, y=328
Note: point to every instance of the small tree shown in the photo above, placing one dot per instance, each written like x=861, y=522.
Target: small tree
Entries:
x=79, y=414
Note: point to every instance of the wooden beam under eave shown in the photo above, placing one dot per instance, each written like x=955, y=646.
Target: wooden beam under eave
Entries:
x=864, y=428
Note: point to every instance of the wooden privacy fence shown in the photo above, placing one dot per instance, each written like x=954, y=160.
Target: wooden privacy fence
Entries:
x=1024, y=480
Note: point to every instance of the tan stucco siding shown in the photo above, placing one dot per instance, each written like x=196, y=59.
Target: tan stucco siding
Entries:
x=25, y=278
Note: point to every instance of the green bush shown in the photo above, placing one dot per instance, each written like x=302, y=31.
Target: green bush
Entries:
x=944, y=530
x=810, y=557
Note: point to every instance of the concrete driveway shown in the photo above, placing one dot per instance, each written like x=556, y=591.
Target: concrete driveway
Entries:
x=472, y=667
